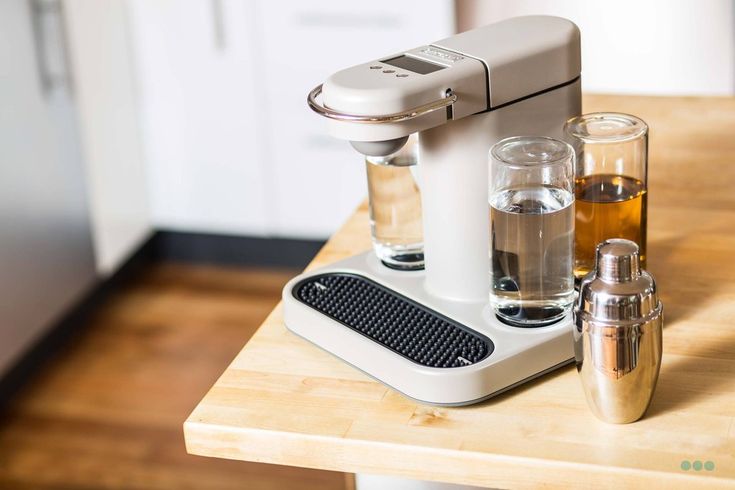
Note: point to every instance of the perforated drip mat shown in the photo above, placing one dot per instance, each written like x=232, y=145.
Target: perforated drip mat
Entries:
x=394, y=321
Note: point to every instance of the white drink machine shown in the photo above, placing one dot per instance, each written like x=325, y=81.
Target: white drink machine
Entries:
x=431, y=334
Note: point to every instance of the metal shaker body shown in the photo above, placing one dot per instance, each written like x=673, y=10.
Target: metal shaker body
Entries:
x=618, y=334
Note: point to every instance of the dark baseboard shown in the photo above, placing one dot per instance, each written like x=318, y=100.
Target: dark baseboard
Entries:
x=162, y=245
x=209, y=248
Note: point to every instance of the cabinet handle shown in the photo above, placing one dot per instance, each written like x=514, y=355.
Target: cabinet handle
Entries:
x=218, y=23
x=43, y=13
x=39, y=46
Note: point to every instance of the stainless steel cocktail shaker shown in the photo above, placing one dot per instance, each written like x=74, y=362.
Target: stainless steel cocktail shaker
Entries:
x=617, y=336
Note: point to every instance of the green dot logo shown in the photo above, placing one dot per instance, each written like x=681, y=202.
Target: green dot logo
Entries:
x=697, y=465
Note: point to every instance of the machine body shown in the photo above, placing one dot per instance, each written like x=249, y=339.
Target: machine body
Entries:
x=462, y=94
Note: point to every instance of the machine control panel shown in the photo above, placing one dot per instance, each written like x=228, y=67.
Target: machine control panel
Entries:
x=413, y=64
x=401, y=83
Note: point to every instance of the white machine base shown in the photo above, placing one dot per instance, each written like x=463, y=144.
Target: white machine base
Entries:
x=518, y=355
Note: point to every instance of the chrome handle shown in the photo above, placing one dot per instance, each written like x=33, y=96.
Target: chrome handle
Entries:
x=445, y=102
x=65, y=50
x=218, y=24
x=39, y=46
x=52, y=59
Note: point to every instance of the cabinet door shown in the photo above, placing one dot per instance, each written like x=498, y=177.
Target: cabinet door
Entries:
x=196, y=75
x=106, y=100
x=318, y=180
x=46, y=256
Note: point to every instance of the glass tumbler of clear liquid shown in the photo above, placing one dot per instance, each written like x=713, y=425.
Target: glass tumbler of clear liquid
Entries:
x=394, y=198
x=531, y=205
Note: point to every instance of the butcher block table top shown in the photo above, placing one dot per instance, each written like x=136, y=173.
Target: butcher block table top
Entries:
x=285, y=401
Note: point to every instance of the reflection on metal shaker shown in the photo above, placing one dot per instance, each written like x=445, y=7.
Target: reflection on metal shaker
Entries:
x=618, y=326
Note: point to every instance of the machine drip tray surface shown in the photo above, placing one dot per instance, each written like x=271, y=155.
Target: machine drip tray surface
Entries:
x=393, y=321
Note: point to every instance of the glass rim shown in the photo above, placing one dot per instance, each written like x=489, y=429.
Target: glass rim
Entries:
x=568, y=155
x=639, y=125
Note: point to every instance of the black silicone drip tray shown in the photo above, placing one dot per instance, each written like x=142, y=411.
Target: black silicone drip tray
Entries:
x=394, y=321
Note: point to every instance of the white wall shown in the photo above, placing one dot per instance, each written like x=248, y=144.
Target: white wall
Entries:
x=660, y=47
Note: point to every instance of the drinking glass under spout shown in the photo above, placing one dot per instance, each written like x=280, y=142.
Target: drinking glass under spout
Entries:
x=531, y=204
x=394, y=202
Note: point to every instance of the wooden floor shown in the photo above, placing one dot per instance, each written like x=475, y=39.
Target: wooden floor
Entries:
x=107, y=412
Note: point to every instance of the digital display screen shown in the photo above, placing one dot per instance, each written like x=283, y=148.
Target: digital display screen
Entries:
x=413, y=64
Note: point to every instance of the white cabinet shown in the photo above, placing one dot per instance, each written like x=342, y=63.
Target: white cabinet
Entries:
x=230, y=144
x=317, y=180
x=195, y=67
x=109, y=122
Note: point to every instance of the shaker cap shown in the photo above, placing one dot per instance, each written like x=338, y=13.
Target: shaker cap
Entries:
x=618, y=260
x=618, y=289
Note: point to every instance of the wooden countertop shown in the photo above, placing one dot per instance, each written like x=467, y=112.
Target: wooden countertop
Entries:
x=284, y=401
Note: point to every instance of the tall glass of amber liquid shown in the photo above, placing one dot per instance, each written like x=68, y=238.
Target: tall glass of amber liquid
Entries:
x=611, y=183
